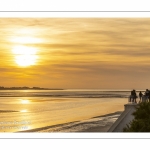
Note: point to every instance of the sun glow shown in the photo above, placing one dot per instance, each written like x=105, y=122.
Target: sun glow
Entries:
x=24, y=110
x=24, y=55
x=26, y=40
x=25, y=101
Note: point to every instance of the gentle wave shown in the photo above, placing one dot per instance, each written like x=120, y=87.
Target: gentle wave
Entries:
x=66, y=93
x=7, y=111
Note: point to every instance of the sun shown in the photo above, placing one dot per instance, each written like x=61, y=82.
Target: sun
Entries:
x=24, y=55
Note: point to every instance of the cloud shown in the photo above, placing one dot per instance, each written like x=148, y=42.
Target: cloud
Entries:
x=94, y=49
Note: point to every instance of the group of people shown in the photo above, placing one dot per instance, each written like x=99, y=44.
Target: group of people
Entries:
x=143, y=97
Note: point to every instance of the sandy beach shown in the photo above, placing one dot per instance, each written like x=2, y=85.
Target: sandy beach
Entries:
x=95, y=124
x=105, y=128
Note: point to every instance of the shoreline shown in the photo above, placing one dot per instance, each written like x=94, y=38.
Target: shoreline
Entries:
x=95, y=124
x=102, y=128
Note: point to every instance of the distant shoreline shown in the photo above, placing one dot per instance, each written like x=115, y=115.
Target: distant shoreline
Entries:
x=28, y=89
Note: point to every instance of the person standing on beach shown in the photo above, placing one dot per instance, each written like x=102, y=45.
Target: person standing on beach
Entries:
x=140, y=95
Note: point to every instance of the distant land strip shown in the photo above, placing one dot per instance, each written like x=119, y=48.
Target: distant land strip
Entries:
x=28, y=88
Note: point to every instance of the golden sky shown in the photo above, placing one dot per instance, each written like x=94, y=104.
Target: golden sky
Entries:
x=104, y=53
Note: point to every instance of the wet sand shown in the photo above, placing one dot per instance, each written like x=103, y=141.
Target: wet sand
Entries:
x=102, y=128
x=96, y=124
x=98, y=129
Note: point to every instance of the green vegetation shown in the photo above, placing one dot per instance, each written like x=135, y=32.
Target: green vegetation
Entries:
x=141, y=121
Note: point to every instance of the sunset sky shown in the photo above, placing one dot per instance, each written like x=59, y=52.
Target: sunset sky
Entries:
x=88, y=53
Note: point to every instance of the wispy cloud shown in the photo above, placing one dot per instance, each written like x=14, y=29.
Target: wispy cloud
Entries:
x=98, y=52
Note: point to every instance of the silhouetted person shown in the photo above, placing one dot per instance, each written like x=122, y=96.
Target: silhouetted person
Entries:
x=133, y=96
x=140, y=95
x=147, y=94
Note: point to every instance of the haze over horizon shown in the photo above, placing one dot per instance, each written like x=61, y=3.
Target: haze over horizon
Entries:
x=75, y=53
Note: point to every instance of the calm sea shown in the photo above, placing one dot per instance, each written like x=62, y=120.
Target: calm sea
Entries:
x=58, y=110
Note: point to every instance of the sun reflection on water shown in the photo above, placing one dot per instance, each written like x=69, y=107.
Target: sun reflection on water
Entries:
x=25, y=101
x=24, y=110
